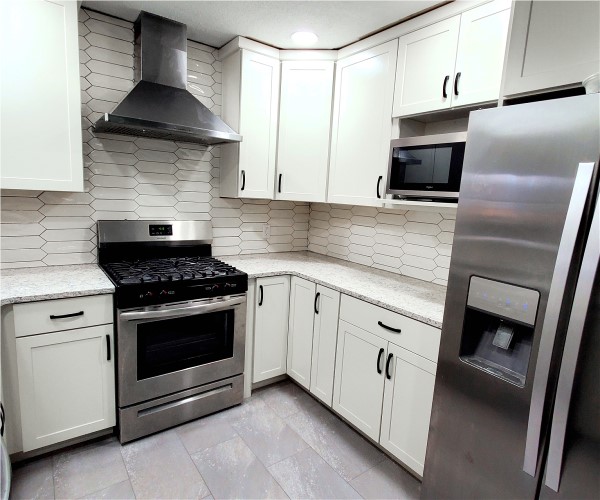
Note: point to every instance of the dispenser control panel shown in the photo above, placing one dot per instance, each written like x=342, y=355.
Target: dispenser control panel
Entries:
x=502, y=299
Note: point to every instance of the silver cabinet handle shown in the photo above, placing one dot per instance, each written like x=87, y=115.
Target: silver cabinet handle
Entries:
x=568, y=239
x=581, y=304
x=182, y=311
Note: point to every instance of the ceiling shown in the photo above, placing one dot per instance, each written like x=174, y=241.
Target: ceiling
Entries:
x=215, y=23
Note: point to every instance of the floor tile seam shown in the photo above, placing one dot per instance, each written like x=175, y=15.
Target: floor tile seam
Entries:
x=210, y=493
x=98, y=491
x=275, y=479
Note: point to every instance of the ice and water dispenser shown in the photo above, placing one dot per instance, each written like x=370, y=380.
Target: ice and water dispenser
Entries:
x=498, y=328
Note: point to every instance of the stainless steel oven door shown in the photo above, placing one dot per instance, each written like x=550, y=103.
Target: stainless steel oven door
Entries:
x=169, y=348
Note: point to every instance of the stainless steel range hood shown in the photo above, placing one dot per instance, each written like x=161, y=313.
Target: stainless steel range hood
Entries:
x=159, y=106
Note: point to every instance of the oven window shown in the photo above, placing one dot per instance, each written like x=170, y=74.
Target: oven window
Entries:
x=171, y=345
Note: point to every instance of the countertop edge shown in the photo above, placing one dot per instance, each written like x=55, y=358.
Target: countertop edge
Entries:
x=57, y=295
x=366, y=298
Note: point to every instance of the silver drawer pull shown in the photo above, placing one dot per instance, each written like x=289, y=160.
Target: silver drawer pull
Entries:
x=61, y=316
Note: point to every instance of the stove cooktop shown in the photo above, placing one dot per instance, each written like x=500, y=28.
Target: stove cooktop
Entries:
x=147, y=282
x=168, y=270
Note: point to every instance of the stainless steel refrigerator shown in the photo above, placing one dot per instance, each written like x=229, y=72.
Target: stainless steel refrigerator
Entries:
x=516, y=407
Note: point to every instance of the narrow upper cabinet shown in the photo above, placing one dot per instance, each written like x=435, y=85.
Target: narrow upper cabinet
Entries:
x=426, y=60
x=250, y=106
x=362, y=125
x=455, y=62
x=480, y=55
x=304, y=126
x=40, y=94
x=552, y=45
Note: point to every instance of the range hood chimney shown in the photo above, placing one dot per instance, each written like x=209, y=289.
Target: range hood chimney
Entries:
x=159, y=106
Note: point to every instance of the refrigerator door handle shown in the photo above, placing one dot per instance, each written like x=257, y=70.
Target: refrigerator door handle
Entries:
x=566, y=248
x=581, y=303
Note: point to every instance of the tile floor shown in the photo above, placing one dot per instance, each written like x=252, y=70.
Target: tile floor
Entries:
x=280, y=443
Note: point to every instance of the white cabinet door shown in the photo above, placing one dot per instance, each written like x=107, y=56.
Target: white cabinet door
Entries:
x=407, y=406
x=324, y=343
x=358, y=384
x=552, y=44
x=40, y=94
x=271, y=327
x=425, y=70
x=66, y=384
x=480, y=56
x=362, y=125
x=304, y=128
x=250, y=106
x=300, y=336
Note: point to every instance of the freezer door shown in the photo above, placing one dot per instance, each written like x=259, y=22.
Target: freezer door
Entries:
x=573, y=463
x=520, y=182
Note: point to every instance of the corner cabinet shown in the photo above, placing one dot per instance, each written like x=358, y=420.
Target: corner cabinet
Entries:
x=40, y=85
x=272, y=297
x=250, y=106
x=304, y=126
x=362, y=125
x=312, y=337
x=464, y=58
x=552, y=45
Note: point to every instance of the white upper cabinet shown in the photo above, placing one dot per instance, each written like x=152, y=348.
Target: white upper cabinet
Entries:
x=480, y=55
x=362, y=125
x=40, y=94
x=250, y=107
x=426, y=68
x=304, y=126
x=455, y=62
x=552, y=45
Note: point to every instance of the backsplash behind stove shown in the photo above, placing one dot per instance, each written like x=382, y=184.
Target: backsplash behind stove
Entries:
x=138, y=178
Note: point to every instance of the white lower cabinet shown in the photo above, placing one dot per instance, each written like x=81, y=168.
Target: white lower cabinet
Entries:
x=358, y=392
x=327, y=311
x=271, y=327
x=300, y=335
x=66, y=384
x=312, y=338
x=407, y=400
x=384, y=378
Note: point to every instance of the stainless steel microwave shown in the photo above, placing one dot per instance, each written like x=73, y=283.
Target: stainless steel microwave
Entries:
x=427, y=166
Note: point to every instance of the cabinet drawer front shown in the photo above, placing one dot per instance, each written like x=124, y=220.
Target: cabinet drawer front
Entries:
x=415, y=336
x=62, y=314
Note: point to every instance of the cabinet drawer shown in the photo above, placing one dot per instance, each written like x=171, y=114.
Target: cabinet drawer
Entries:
x=415, y=336
x=77, y=312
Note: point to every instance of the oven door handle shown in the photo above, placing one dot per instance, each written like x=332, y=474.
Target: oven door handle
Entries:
x=182, y=311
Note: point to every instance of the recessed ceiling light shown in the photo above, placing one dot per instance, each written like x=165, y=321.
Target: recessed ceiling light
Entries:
x=304, y=38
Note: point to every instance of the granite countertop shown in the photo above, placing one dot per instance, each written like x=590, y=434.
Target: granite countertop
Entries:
x=52, y=282
x=410, y=297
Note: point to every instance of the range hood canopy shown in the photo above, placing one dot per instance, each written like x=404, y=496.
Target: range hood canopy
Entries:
x=159, y=106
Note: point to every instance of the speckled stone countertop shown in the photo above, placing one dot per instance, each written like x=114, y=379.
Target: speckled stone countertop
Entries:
x=408, y=296
x=52, y=282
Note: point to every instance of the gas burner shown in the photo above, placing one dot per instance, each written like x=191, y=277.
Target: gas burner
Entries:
x=168, y=269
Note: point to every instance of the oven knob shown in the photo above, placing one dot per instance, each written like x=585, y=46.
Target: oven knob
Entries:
x=163, y=292
x=149, y=294
x=215, y=287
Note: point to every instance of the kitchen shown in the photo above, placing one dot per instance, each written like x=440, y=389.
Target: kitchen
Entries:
x=333, y=333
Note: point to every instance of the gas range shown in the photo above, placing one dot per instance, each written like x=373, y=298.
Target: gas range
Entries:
x=176, y=267
x=180, y=318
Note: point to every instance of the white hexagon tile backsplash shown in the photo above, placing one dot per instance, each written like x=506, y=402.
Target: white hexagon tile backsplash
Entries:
x=137, y=178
